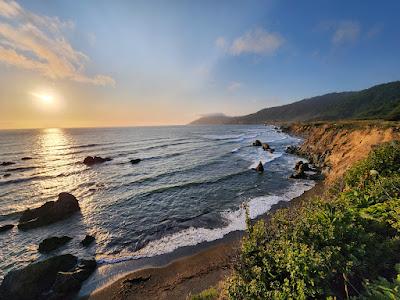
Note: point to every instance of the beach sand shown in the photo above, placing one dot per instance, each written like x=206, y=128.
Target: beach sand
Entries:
x=187, y=275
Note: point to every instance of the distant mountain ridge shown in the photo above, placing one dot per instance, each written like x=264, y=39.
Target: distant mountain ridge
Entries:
x=378, y=102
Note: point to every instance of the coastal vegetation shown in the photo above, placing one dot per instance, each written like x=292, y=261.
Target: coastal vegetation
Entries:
x=378, y=102
x=344, y=245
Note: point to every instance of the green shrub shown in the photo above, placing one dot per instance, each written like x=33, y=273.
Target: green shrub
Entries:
x=327, y=247
x=209, y=294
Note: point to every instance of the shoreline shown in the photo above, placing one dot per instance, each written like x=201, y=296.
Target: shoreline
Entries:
x=175, y=275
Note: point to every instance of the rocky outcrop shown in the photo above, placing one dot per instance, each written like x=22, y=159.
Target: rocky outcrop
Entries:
x=92, y=160
x=334, y=147
x=257, y=143
x=135, y=161
x=58, y=277
x=87, y=240
x=260, y=167
x=50, y=212
x=6, y=227
x=7, y=163
x=265, y=146
x=52, y=243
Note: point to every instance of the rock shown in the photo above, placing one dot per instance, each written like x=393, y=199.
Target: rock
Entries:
x=50, y=212
x=301, y=166
x=292, y=150
x=69, y=283
x=87, y=240
x=260, y=167
x=257, y=143
x=265, y=146
x=135, y=161
x=59, y=277
x=270, y=150
x=7, y=163
x=27, y=158
x=6, y=175
x=136, y=280
x=52, y=243
x=35, y=280
x=6, y=227
x=92, y=160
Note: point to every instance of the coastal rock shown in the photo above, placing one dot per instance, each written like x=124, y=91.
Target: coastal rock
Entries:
x=87, y=240
x=7, y=163
x=36, y=280
x=260, y=167
x=257, y=143
x=6, y=227
x=69, y=283
x=59, y=277
x=135, y=161
x=50, y=212
x=265, y=146
x=292, y=150
x=92, y=160
x=52, y=243
x=27, y=158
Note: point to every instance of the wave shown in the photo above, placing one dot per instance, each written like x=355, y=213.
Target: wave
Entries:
x=235, y=150
x=192, y=236
x=21, y=169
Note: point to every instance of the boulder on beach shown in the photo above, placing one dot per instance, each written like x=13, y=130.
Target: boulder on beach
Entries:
x=92, y=160
x=52, y=243
x=257, y=143
x=59, y=277
x=87, y=240
x=26, y=158
x=50, y=212
x=7, y=163
x=6, y=227
x=260, y=167
x=135, y=161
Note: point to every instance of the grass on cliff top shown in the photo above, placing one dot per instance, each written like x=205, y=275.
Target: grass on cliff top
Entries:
x=349, y=124
x=345, y=246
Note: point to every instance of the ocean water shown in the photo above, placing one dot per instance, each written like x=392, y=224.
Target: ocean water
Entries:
x=190, y=187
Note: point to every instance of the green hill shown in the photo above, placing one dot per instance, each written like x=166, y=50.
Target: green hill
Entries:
x=378, y=102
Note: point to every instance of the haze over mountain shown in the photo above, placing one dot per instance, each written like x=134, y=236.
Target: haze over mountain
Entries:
x=378, y=102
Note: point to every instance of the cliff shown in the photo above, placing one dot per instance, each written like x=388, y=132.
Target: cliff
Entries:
x=335, y=147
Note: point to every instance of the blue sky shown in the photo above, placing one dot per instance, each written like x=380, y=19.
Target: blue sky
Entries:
x=167, y=62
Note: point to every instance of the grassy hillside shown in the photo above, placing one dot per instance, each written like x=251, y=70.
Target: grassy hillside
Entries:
x=345, y=245
x=378, y=102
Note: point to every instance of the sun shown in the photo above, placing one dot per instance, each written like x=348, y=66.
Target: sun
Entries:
x=44, y=98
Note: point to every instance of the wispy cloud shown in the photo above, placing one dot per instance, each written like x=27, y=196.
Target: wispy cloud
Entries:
x=346, y=32
x=256, y=41
x=37, y=43
x=234, y=86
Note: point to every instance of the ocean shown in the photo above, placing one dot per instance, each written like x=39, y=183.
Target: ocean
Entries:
x=189, y=187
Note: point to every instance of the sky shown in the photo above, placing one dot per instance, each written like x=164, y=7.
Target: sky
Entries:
x=100, y=63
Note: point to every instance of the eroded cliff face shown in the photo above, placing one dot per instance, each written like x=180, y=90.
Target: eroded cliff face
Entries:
x=335, y=147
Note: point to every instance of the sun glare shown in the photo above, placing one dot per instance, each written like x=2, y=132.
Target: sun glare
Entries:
x=44, y=98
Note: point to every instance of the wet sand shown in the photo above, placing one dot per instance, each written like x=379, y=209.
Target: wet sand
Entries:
x=206, y=266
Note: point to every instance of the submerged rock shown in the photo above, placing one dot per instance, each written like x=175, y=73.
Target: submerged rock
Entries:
x=92, y=160
x=6, y=175
x=87, y=240
x=6, y=227
x=257, y=143
x=7, y=163
x=27, y=158
x=260, y=167
x=50, y=212
x=135, y=161
x=52, y=243
x=59, y=277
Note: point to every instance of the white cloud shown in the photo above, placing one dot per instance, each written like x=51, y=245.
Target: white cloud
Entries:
x=374, y=31
x=37, y=43
x=346, y=32
x=234, y=86
x=257, y=41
